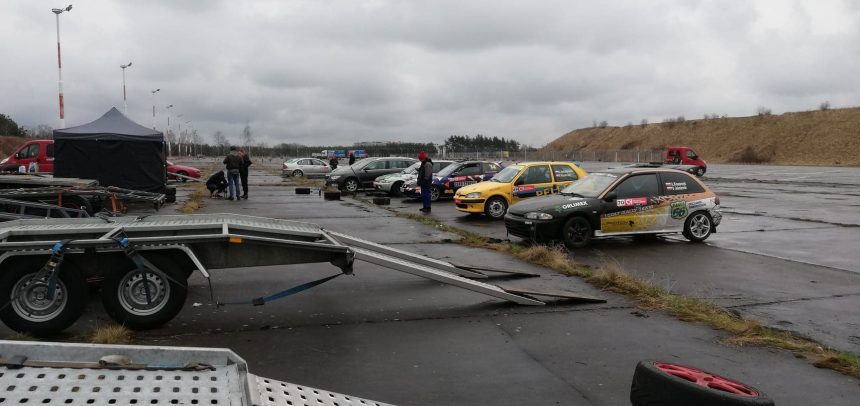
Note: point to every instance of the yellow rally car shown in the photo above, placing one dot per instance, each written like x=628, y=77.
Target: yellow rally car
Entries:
x=515, y=183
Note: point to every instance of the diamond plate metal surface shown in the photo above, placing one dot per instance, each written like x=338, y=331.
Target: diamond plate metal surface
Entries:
x=67, y=386
x=269, y=392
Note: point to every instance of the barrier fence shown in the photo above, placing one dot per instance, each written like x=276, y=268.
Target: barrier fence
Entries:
x=613, y=155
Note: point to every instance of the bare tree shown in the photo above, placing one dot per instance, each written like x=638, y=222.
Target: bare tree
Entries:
x=197, y=140
x=221, y=142
x=247, y=137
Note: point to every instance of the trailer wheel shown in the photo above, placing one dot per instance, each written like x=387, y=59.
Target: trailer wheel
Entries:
x=125, y=301
x=26, y=307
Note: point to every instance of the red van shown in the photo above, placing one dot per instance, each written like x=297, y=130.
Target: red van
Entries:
x=39, y=151
x=686, y=156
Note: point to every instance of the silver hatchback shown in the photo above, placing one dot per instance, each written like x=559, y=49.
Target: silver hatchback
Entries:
x=307, y=167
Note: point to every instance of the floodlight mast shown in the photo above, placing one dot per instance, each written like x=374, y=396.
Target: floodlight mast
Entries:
x=57, y=12
x=124, y=103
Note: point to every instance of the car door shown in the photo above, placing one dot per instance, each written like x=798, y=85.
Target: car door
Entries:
x=535, y=180
x=323, y=167
x=562, y=175
x=634, y=206
x=372, y=171
x=683, y=195
x=27, y=154
x=468, y=174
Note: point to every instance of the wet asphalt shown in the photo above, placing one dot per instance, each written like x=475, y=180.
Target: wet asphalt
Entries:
x=396, y=338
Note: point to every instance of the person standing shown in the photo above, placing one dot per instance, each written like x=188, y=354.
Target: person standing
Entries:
x=425, y=180
x=351, y=159
x=333, y=162
x=233, y=162
x=243, y=172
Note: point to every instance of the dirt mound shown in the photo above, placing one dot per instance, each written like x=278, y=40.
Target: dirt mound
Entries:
x=8, y=144
x=829, y=137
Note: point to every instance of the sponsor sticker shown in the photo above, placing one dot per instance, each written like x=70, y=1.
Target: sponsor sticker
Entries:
x=569, y=206
x=695, y=205
x=524, y=189
x=676, y=186
x=635, y=201
x=678, y=210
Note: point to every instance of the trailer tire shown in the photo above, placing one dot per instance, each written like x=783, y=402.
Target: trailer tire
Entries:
x=28, y=311
x=124, y=297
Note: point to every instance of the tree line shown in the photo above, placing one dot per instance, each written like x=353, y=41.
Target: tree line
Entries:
x=480, y=143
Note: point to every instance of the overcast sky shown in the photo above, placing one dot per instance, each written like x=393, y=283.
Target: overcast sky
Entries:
x=329, y=72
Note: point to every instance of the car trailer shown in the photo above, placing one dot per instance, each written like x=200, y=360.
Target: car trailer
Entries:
x=144, y=263
x=80, y=197
x=21, y=209
x=90, y=374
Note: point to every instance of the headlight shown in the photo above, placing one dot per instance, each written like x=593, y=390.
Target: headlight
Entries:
x=535, y=215
x=473, y=195
x=335, y=177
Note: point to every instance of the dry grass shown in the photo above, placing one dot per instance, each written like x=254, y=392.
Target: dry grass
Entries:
x=109, y=334
x=801, y=138
x=8, y=144
x=21, y=337
x=195, y=201
x=611, y=277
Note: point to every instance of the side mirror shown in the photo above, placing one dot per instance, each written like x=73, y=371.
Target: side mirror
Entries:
x=18, y=155
x=610, y=196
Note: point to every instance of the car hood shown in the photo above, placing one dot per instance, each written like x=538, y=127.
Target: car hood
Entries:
x=483, y=187
x=342, y=170
x=553, y=204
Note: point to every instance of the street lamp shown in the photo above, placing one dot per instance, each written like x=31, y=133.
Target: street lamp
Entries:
x=59, y=11
x=167, y=133
x=153, y=106
x=124, y=103
x=179, y=134
x=188, y=142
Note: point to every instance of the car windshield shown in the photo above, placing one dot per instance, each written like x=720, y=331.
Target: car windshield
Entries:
x=507, y=174
x=591, y=185
x=412, y=169
x=448, y=170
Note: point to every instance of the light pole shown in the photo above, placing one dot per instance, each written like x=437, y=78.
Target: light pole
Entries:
x=167, y=133
x=59, y=11
x=179, y=134
x=124, y=103
x=188, y=144
x=153, y=106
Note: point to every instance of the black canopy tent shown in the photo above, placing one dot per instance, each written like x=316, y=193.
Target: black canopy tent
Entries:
x=113, y=150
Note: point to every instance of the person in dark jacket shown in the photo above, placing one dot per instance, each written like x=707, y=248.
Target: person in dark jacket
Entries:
x=233, y=162
x=351, y=159
x=243, y=172
x=333, y=163
x=425, y=180
x=217, y=184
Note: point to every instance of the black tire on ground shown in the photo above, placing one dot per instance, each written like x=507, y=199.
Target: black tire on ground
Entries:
x=331, y=195
x=395, y=189
x=77, y=202
x=698, y=226
x=435, y=193
x=700, y=171
x=170, y=199
x=656, y=383
x=496, y=207
x=576, y=232
x=25, y=307
x=382, y=201
x=298, y=173
x=170, y=191
x=124, y=296
x=303, y=190
x=183, y=173
x=351, y=185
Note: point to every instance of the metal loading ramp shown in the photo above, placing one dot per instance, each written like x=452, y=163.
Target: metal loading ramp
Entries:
x=81, y=374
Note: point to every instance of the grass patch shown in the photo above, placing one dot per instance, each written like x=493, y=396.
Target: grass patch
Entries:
x=109, y=334
x=611, y=277
x=195, y=201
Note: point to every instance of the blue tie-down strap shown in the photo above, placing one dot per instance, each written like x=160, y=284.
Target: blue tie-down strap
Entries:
x=259, y=301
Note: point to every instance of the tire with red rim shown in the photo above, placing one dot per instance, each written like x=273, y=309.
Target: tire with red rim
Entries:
x=658, y=383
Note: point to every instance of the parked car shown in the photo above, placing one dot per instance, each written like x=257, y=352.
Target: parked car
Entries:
x=619, y=202
x=38, y=152
x=453, y=177
x=515, y=183
x=393, y=183
x=362, y=173
x=686, y=156
x=307, y=167
x=181, y=170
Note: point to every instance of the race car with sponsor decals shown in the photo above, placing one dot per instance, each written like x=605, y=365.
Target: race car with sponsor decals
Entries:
x=456, y=176
x=623, y=201
x=515, y=183
x=393, y=183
